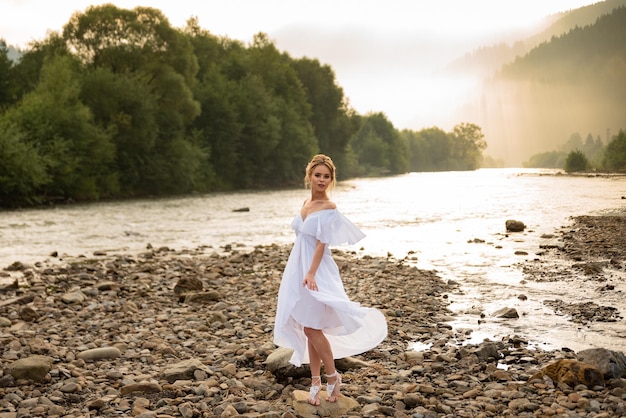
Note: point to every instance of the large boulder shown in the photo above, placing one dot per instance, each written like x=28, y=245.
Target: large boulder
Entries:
x=507, y=313
x=514, y=226
x=278, y=363
x=612, y=364
x=32, y=368
x=571, y=372
x=188, y=285
x=76, y=296
x=102, y=353
x=340, y=408
x=184, y=370
x=487, y=351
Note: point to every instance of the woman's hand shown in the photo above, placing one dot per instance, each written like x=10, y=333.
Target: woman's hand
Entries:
x=309, y=282
x=309, y=277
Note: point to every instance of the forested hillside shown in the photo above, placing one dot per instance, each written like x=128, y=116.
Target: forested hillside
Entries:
x=488, y=59
x=121, y=104
x=594, y=54
x=573, y=83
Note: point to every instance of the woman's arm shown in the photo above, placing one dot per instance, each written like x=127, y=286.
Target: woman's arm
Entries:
x=309, y=277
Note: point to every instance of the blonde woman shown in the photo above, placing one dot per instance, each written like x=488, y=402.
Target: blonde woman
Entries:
x=314, y=315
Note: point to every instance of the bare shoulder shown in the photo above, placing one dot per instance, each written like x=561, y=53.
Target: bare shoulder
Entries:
x=330, y=205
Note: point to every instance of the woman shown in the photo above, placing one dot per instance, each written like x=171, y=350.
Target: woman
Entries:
x=314, y=315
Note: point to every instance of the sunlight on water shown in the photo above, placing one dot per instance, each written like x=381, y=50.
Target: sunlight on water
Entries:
x=419, y=346
x=452, y=222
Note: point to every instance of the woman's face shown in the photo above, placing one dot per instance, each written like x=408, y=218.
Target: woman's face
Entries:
x=320, y=178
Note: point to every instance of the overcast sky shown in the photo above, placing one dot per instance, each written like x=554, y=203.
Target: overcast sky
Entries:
x=387, y=55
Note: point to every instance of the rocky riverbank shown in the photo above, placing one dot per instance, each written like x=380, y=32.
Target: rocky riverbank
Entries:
x=591, y=255
x=188, y=334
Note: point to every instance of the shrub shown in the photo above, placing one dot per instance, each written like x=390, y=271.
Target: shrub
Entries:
x=576, y=161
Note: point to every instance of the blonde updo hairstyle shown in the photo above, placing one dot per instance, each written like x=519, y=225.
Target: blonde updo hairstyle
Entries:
x=315, y=161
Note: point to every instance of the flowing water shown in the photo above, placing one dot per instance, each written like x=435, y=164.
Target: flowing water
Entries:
x=452, y=222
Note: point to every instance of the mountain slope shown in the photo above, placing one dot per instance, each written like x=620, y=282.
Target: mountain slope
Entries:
x=485, y=60
x=574, y=83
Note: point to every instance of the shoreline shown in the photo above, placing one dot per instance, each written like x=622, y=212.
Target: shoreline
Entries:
x=589, y=257
x=209, y=315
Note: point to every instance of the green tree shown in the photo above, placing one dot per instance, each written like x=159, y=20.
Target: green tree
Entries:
x=468, y=145
x=615, y=153
x=139, y=40
x=260, y=134
x=53, y=120
x=418, y=159
x=593, y=150
x=330, y=114
x=26, y=73
x=5, y=76
x=139, y=50
x=441, y=148
x=379, y=146
x=575, y=142
x=576, y=161
x=23, y=170
x=369, y=148
x=436, y=147
x=277, y=138
x=218, y=130
x=127, y=110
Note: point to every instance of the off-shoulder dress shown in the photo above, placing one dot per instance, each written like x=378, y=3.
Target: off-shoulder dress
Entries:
x=350, y=328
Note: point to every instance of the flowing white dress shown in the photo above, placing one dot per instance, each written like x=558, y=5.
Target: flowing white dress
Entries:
x=350, y=328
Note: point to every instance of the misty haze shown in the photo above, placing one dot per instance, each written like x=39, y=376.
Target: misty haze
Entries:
x=568, y=79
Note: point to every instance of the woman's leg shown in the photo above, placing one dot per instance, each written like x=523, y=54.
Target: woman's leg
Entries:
x=321, y=351
x=316, y=380
x=315, y=361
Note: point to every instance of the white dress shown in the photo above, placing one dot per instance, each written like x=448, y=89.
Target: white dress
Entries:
x=350, y=328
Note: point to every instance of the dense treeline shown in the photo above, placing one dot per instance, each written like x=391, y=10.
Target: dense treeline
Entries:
x=435, y=150
x=121, y=104
x=576, y=155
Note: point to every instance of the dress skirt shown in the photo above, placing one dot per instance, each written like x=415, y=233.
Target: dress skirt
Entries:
x=350, y=328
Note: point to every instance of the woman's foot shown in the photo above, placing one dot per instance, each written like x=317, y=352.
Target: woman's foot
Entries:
x=314, y=392
x=333, y=383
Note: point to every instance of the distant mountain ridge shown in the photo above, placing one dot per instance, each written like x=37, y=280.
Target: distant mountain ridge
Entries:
x=486, y=60
x=572, y=83
x=593, y=54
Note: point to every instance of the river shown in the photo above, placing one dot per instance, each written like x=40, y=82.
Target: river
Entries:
x=452, y=222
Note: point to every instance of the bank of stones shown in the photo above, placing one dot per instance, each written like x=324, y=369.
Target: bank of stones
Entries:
x=188, y=333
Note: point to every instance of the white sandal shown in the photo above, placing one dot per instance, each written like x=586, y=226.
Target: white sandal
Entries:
x=314, y=392
x=333, y=388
